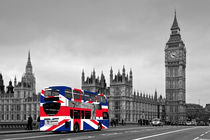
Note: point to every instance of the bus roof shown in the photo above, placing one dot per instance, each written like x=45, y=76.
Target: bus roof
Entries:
x=64, y=87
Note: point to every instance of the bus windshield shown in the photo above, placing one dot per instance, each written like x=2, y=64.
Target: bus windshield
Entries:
x=51, y=109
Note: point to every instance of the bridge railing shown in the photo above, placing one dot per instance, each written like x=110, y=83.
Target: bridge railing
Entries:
x=17, y=125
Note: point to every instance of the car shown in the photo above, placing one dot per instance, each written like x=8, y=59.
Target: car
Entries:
x=188, y=123
x=157, y=122
x=191, y=123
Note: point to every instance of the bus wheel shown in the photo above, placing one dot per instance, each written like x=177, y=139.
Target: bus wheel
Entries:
x=76, y=128
x=99, y=127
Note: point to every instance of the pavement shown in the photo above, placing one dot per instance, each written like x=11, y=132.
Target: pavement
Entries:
x=4, y=132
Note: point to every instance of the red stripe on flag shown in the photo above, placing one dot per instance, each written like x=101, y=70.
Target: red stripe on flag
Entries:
x=42, y=91
x=95, y=122
x=103, y=127
x=104, y=110
x=60, y=101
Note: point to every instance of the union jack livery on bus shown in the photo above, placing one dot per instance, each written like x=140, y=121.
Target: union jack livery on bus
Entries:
x=69, y=109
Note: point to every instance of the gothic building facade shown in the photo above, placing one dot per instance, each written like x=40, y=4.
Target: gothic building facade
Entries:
x=19, y=101
x=124, y=103
x=94, y=83
x=175, y=64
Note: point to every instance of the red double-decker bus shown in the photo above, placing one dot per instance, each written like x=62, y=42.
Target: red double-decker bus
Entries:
x=69, y=109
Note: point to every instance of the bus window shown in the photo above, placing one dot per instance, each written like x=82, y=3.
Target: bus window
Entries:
x=105, y=115
x=55, y=93
x=93, y=97
x=103, y=99
x=68, y=93
x=99, y=99
x=50, y=92
x=98, y=107
x=76, y=114
x=71, y=114
x=83, y=114
x=87, y=96
x=76, y=94
x=87, y=114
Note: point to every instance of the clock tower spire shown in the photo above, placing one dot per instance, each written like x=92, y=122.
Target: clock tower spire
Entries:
x=175, y=64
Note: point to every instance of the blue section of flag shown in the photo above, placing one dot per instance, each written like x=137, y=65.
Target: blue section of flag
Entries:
x=41, y=123
x=86, y=126
x=42, y=99
x=104, y=122
x=63, y=128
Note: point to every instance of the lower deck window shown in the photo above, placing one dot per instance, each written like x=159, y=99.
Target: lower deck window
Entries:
x=87, y=115
x=105, y=115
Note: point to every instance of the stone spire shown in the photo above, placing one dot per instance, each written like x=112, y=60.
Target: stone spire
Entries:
x=111, y=75
x=175, y=23
x=83, y=75
x=123, y=70
x=28, y=65
x=15, y=81
x=155, y=96
x=94, y=74
x=131, y=75
x=175, y=36
x=1, y=84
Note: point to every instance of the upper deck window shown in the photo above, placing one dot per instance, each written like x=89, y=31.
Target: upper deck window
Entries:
x=93, y=97
x=76, y=94
x=68, y=93
x=50, y=92
x=99, y=98
x=103, y=99
x=86, y=96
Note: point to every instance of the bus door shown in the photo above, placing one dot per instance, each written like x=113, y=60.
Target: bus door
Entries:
x=77, y=119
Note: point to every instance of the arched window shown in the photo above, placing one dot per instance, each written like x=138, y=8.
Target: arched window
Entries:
x=18, y=117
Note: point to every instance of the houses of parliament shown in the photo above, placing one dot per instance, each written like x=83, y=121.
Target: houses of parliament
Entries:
x=19, y=100
x=125, y=103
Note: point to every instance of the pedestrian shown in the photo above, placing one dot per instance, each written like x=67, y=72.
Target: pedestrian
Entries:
x=30, y=122
x=114, y=122
x=122, y=122
x=38, y=122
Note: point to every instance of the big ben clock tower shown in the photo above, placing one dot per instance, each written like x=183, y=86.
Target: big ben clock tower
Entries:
x=175, y=64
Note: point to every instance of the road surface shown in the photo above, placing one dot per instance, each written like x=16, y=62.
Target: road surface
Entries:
x=122, y=133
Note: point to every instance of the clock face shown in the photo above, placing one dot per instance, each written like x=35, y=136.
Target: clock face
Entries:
x=173, y=54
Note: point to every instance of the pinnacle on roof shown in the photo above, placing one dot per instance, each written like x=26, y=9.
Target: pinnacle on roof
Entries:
x=175, y=23
x=123, y=69
x=29, y=60
x=111, y=70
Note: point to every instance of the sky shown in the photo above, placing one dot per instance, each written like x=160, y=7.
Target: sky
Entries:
x=66, y=36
